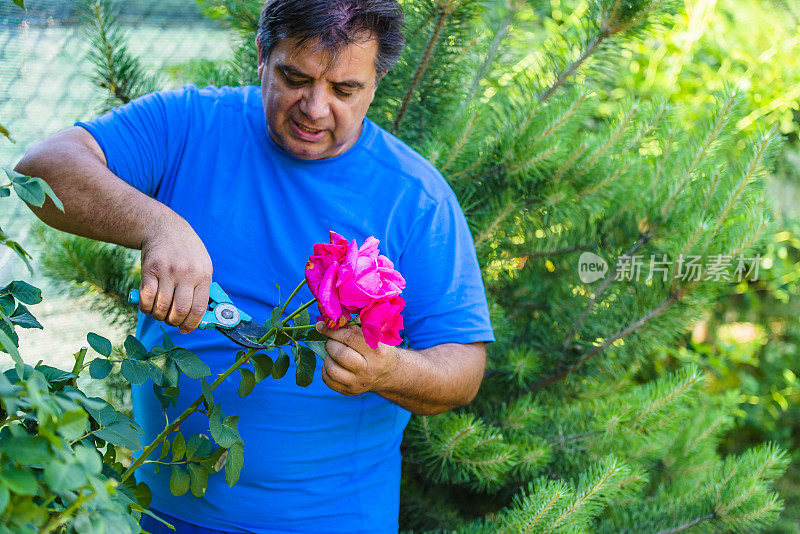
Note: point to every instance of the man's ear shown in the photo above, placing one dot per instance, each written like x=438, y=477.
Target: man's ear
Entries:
x=378, y=78
x=260, y=59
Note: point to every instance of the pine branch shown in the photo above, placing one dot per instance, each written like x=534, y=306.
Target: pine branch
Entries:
x=557, y=252
x=461, y=142
x=754, y=166
x=690, y=524
x=579, y=150
x=720, y=122
x=114, y=68
x=643, y=238
x=569, y=71
x=444, y=12
x=492, y=228
x=655, y=312
x=491, y=54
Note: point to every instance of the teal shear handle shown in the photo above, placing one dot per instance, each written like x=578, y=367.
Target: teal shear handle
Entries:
x=222, y=315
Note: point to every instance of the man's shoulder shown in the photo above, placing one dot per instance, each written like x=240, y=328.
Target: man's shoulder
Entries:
x=406, y=164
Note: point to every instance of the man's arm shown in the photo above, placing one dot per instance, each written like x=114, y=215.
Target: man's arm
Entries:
x=424, y=382
x=176, y=268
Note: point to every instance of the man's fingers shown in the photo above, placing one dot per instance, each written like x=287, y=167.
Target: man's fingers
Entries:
x=335, y=377
x=198, y=308
x=147, y=293
x=166, y=289
x=181, y=305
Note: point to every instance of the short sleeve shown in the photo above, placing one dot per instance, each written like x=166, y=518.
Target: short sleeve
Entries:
x=143, y=139
x=444, y=294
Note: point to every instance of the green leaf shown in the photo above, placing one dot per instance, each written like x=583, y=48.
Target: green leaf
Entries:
x=24, y=319
x=63, y=477
x=262, y=364
x=166, y=396
x=274, y=317
x=50, y=193
x=73, y=424
x=234, y=463
x=313, y=335
x=168, y=344
x=134, y=348
x=100, y=344
x=302, y=319
x=135, y=372
x=198, y=445
x=281, y=365
x=5, y=497
x=89, y=459
x=225, y=432
x=163, y=371
x=23, y=255
x=7, y=304
x=318, y=348
x=10, y=347
x=23, y=292
x=306, y=362
x=54, y=375
x=179, y=481
x=27, y=450
x=198, y=479
x=190, y=363
x=247, y=382
x=19, y=481
x=207, y=396
x=30, y=191
x=3, y=130
x=164, y=449
x=178, y=447
x=99, y=368
x=121, y=433
x=142, y=494
x=19, y=3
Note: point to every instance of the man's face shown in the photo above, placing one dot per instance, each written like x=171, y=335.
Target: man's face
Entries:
x=313, y=113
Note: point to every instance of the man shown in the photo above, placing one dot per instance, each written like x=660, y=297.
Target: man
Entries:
x=246, y=180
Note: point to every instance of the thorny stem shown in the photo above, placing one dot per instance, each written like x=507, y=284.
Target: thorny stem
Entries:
x=65, y=516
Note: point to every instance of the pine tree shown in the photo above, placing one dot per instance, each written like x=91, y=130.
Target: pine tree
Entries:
x=574, y=429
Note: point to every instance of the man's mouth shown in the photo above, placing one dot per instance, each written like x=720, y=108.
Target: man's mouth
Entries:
x=307, y=128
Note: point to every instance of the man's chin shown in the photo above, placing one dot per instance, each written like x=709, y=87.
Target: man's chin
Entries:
x=301, y=148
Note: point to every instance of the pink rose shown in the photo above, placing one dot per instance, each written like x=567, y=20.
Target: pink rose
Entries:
x=346, y=278
x=366, y=276
x=321, y=274
x=381, y=321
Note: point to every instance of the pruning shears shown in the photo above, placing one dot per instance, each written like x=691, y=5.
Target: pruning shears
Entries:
x=223, y=316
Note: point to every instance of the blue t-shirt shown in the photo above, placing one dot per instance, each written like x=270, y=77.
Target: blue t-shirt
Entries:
x=314, y=460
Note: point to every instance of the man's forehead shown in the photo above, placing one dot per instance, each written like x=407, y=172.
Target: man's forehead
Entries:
x=359, y=55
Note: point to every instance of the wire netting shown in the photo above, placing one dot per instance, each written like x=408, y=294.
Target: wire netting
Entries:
x=45, y=86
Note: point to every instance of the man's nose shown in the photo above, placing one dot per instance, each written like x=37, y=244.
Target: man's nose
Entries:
x=314, y=104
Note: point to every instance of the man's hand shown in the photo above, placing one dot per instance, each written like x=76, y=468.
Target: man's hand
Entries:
x=352, y=367
x=176, y=274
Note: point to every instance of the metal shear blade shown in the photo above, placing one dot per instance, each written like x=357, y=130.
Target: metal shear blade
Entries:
x=241, y=332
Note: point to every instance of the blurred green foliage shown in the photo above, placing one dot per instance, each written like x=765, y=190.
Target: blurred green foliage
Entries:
x=750, y=342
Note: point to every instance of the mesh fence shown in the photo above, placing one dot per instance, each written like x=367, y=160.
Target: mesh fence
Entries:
x=45, y=87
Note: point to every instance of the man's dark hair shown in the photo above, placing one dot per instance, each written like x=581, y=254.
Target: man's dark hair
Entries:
x=335, y=24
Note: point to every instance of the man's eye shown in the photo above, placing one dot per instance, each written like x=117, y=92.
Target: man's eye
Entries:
x=294, y=83
x=343, y=94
